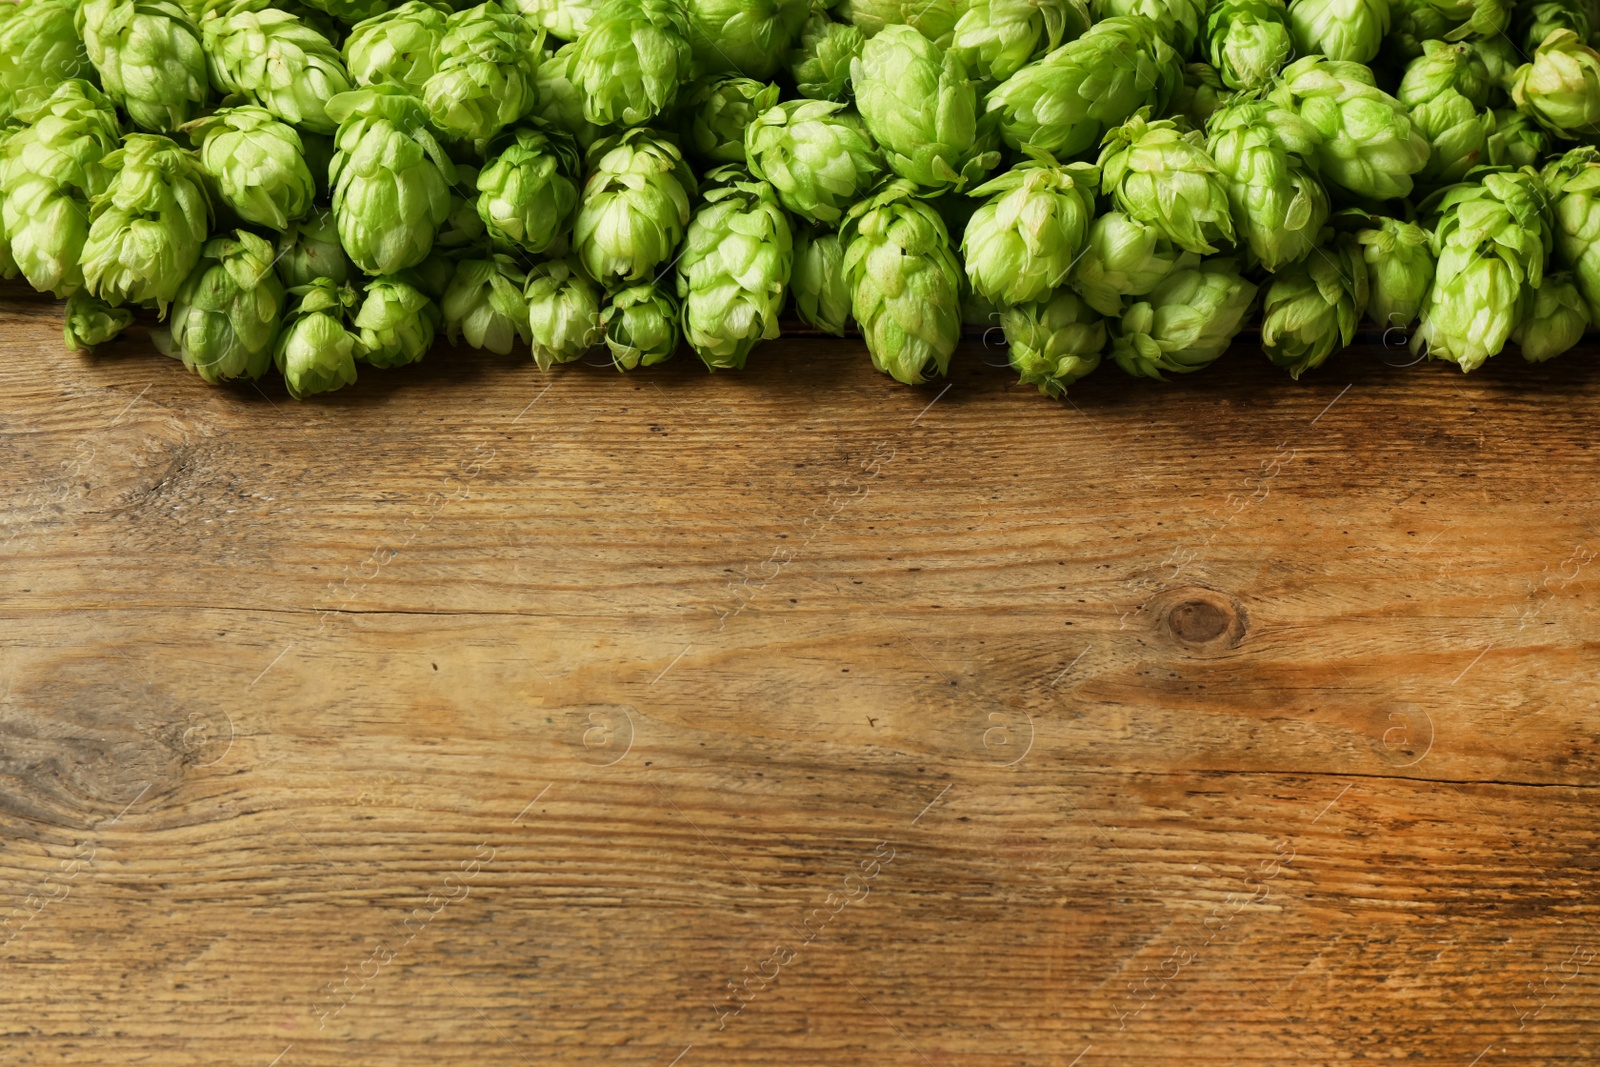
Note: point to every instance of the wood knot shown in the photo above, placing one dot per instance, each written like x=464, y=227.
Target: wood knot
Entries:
x=1204, y=619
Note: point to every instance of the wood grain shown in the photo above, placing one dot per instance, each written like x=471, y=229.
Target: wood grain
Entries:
x=477, y=716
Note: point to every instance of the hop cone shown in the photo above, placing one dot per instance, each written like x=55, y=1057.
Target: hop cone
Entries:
x=50, y=170
x=997, y=38
x=1534, y=21
x=1064, y=103
x=1278, y=205
x=1399, y=259
x=1462, y=19
x=1554, y=319
x=1560, y=88
x=934, y=19
x=310, y=249
x=1311, y=308
x=400, y=46
x=630, y=62
x=559, y=102
x=147, y=228
x=484, y=78
x=1445, y=90
x=485, y=305
x=1348, y=31
x=1055, y=341
x=905, y=283
x=149, y=57
x=1516, y=141
x=1178, y=21
x=1125, y=258
x=565, y=19
x=1573, y=181
x=90, y=322
x=395, y=323
x=277, y=61
x=563, y=312
x=39, y=48
x=528, y=191
x=641, y=326
x=391, y=179
x=820, y=66
x=1022, y=243
x=817, y=156
x=349, y=11
x=463, y=234
x=920, y=107
x=1492, y=239
x=1200, y=95
x=1501, y=59
x=225, y=318
x=1249, y=41
x=716, y=113
x=1186, y=322
x=255, y=165
x=634, y=209
x=316, y=353
x=1367, y=144
x=1163, y=176
x=821, y=293
x=749, y=37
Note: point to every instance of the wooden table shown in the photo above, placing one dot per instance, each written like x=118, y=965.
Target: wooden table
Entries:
x=478, y=716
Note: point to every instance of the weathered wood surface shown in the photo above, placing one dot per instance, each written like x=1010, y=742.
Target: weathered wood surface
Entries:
x=473, y=716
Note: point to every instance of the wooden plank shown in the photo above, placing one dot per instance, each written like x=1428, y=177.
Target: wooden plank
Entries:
x=473, y=715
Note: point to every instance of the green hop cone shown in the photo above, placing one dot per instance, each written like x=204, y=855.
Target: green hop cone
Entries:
x=997, y=38
x=1367, y=144
x=1186, y=322
x=277, y=61
x=820, y=64
x=1178, y=21
x=1560, y=88
x=1554, y=318
x=1248, y=41
x=1446, y=91
x=1064, y=103
x=559, y=102
x=1461, y=19
x=1278, y=205
x=1573, y=182
x=817, y=156
x=635, y=207
x=1023, y=242
x=748, y=37
x=934, y=19
x=632, y=59
x=1200, y=95
x=1399, y=259
x=485, y=76
x=256, y=165
x=528, y=191
x=485, y=305
x=1501, y=59
x=147, y=228
x=225, y=318
x=1347, y=31
x=316, y=352
x=1411, y=23
x=737, y=255
x=90, y=322
x=919, y=105
x=39, y=48
x=309, y=249
x=50, y=170
x=463, y=234
x=1311, y=308
x=563, y=312
x=1055, y=341
x=1124, y=258
x=1164, y=176
x=349, y=12
x=563, y=19
x=641, y=326
x=391, y=179
x=1533, y=21
x=399, y=46
x=395, y=323
x=1492, y=240
x=905, y=283
x=150, y=59
x=1516, y=141
x=817, y=284
x=715, y=114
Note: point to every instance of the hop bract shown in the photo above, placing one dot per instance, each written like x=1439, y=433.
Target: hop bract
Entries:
x=566, y=19
x=316, y=353
x=1399, y=259
x=734, y=270
x=528, y=191
x=905, y=283
x=148, y=227
x=1515, y=141
x=255, y=164
x=1554, y=318
x=277, y=61
x=484, y=78
x=1249, y=41
x=1573, y=183
x=563, y=312
x=1125, y=258
x=1163, y=176
x=1022, y=243
x=1560, y=88
x=1055, y=341
x=39, y=48
x=309, y=249
x=820, y=65
x=395, y=323
x=749, y=37
x=1366, y=143
x=919, y=105
x=635, y=207
x=997, y=38
x=817, y=156
x=400, y=46
x=149, y=58
x=1200, y=94
x=484, y=304
x=821, y=293
x=1186, y=322
x=716, y=113
x=1312, y=307
x=1278, y=205
x=225, y=319
x=641, y=326
x=1342, y=30
x=631, y=60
